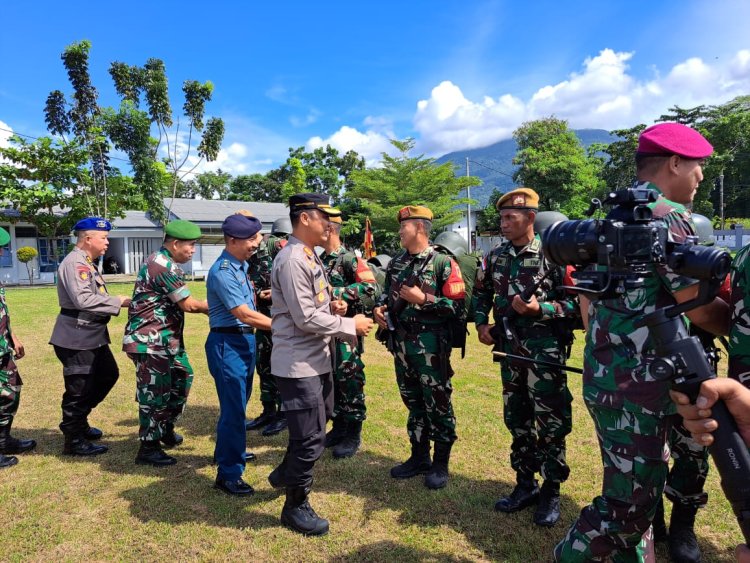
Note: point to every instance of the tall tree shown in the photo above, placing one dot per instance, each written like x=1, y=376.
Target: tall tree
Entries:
x=326, y=171
x=206, y=185
x=489, y=219
x=257, y=187
x=552, y=161
x=618, y=167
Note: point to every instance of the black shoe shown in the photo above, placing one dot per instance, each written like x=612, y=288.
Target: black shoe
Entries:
x=548, y=511
x=337, y=432
x=7, y=460
x=418, y=463
x=93, y=434
x=11, y=445
x=437, y=476
x=237, y=488
x=525, y=493
x=351, y=441
x=150, y=453
x=659, y=526
x=298, y=515
x=266, y=417
x=683, y=545
x=81, y=446
x=170, y=439
x=278, y=425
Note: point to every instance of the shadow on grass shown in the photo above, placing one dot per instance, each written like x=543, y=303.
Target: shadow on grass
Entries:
x=392, y=551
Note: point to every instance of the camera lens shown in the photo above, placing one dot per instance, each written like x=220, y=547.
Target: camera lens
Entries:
x=571, y=242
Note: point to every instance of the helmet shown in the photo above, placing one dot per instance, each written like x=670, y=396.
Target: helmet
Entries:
x=380, y=260
x=282, y=226
x=705, y=229
x=546, y=219
x=451, y=242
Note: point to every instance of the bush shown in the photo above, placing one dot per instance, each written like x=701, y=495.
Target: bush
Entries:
x=26, y=254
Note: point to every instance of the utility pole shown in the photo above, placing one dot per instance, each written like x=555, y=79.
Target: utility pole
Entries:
x=721, y=198
x=468, y=210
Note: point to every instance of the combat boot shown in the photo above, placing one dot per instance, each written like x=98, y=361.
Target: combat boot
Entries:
x=683, y=545
x=548, y=511
x=658, y=524
x=337, y=432
x=525, y=493
x=298, y=515
x=150, y=453
x=265, y=418
x=277, y=425
x=437, y=476
x=418, y=463
x=7, y=460
x=351, y=442
x=11, y=445
x=77, y=445
x=170, y=438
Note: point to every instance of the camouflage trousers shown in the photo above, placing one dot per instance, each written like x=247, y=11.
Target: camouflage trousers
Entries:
x=537, y=412
x=163, y=383
x=269, y=393
x=689, y=467
x=10, y=389
x=635, y=454
x=349, y=384
x=423, y=374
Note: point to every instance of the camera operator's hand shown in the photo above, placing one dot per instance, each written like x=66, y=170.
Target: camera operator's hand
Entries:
x=530, y=309
x=697, y=417
x=483, y=331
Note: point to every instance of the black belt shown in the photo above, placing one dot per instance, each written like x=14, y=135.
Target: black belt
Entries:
x=85, y=315
x=233, y=329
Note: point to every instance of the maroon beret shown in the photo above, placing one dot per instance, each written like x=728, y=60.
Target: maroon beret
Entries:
x=673, y=138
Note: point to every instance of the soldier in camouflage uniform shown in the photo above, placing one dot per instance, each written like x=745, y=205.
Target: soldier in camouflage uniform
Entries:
x=11, y=349
x=351, y=280
x=739, y=331
x=423, y=299
x=629, y=407
x=153, y=341
x=537, y=403
x=260, y=266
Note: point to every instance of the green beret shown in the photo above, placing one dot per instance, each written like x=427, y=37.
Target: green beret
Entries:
x=4, y=237
x=182, y=230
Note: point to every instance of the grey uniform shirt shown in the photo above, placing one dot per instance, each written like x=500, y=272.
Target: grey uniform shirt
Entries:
x=81, y=289
x=302, y=324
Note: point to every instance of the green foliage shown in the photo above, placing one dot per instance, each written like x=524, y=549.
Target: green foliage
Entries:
x=553, y=162
x=256, y=187
x=326, y=171
x=618, y=168
x=296, y=179
x=207, y=185
x=26, y=254
x=489, y=219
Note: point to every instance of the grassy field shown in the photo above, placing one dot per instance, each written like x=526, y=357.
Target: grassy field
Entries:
x=56, y=507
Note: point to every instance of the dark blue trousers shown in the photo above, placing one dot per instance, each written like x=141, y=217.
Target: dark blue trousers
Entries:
x=231, y=361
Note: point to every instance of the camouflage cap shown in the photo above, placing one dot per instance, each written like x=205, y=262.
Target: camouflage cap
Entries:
x=521, y=198
x=182, y=230
x=414, y=212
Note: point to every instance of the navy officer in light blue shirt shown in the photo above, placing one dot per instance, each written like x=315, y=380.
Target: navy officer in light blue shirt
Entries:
x=230, y=346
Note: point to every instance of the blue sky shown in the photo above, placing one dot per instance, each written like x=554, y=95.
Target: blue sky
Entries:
x=453, y=75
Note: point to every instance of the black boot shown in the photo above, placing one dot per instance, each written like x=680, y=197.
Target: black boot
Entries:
x=170, y=438
x=11, y=445
x=150, y=453
x=660, y=528
x=683, y=545
x=77, y=445
x=278, y=425
x=337, y=432
x=7, y=460
x=300, y=516
x=437, y=476
x=266, y=417
x=92, y=433
x=548, y=511
x=418, y=463
x=525, y=493
x=350, y=444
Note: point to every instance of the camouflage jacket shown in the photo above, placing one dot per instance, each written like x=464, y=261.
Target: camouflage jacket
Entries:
x=444, y=287
x=260, y=266
x=617, y=354
x=506, y=272
x=739, y=330
x=350, y=278
x=155, y=320
x=6, y=340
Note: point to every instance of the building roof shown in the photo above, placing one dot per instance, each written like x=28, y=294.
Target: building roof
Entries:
x=203, y=211
x=135, y=220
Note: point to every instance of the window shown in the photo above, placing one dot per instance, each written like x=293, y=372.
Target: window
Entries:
x=47, y=262
x=6, y=260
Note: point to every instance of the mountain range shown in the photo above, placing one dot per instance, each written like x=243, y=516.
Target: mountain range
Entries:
x=494, y=164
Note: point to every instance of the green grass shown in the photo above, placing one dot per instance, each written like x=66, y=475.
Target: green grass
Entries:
x=60, y=508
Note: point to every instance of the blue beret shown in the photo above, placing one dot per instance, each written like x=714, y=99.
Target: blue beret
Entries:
x=241, y=226
x=93, y=224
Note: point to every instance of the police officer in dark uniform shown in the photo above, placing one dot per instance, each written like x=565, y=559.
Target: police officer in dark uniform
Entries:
x=230, y=346
x=80, y=335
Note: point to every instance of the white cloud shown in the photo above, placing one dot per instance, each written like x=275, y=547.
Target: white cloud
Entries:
x=369, y=144
x=604, y=94
x=6, y=131
x=311, y=117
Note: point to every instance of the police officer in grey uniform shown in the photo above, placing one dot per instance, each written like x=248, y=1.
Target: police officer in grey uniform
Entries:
x=304, y=320
x=80, y=335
